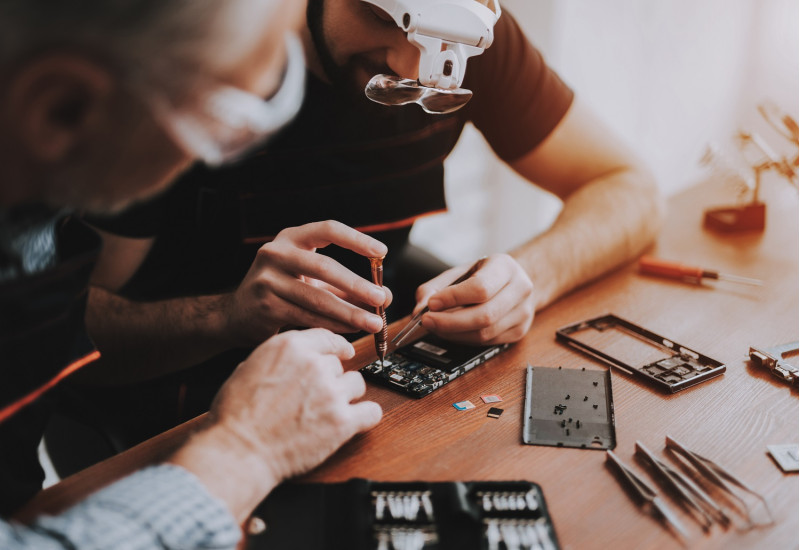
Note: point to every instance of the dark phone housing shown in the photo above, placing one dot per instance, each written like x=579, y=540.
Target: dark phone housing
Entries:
x=427, y=364
x=640, y=353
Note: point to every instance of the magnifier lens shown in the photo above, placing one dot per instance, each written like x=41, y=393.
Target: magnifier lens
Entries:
x=393, y=90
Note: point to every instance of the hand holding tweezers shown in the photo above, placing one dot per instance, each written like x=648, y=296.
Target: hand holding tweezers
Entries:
x=648, y=495
x=416, y=320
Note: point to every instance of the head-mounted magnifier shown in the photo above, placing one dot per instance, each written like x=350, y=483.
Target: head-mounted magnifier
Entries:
x=447, y=33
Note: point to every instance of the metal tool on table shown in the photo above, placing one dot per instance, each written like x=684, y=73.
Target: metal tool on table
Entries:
x=647, y=495
x=416, y=320
x=447, y=33
x=694, y=498
x=774, y=359
x=674, y=270
x=723, y=479
x=376, y=268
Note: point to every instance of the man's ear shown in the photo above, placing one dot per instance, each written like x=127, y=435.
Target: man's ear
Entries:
x=54, y=101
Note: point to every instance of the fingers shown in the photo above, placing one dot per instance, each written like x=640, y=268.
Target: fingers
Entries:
x=302, y=263
x=479, y=288
x=313, y=304
x=512, y=327
x=322, y=341
x=495, y=305
x=366, y=415
x=353, y=385
x=321, y=234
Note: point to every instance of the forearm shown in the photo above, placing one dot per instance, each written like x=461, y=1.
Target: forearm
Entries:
x=603, y=224
x=159, y=507
x=141, y=340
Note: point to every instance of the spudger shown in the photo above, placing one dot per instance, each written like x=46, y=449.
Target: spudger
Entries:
x=416, y=320
x=674, y=270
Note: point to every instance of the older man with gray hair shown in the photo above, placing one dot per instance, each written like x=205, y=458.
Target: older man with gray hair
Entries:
x=103, y=102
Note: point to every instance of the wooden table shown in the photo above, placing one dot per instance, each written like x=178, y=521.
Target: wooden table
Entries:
x=730, y=419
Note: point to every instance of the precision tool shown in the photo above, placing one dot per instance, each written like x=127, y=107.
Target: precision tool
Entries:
x=723, y=479
x=694, y=499
x=447, y=33
x=416, y=320
x=655, y=266
x=647, y=495
x=376, y=267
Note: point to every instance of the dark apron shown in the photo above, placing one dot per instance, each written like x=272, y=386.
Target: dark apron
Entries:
x=41, y=334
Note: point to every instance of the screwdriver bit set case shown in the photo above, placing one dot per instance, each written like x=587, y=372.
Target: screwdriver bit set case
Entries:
x=367, y=515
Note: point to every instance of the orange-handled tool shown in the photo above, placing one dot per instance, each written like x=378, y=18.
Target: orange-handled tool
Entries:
x=674, y=270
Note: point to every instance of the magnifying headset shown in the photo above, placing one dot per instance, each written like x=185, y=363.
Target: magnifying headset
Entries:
x=447, y=33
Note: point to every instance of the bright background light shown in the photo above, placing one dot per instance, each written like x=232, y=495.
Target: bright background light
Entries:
x=669, y=76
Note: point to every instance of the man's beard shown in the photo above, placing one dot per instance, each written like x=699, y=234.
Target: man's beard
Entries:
x=347, y=79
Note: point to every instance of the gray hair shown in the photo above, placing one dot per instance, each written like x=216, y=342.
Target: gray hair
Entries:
x=168, y=43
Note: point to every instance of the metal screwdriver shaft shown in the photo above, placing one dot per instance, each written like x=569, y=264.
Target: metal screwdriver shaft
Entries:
x=376, y=267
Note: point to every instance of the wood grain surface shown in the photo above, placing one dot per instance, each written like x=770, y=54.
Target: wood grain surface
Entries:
x=730, y=419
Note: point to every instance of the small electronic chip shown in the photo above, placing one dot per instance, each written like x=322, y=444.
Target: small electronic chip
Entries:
x=464, y=405
x=786, y=456
x=491, y=398
x=494, y=412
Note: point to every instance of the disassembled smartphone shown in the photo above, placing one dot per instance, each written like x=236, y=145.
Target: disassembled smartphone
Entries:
x=640, y=353
x=569, y=408
x=427, y=364
x=778, y=360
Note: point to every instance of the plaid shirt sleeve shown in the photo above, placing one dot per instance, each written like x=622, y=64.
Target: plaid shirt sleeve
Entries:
x=161, y=507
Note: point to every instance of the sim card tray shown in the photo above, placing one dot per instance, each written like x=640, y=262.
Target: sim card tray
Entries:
x=569, y=408
x=640, y=353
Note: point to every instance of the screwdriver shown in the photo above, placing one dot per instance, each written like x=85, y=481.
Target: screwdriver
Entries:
x=376, y=268
x=674, y=270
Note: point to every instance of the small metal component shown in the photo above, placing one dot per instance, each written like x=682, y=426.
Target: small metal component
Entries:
x=586, y=397
x=774, y=359
x=786, y=456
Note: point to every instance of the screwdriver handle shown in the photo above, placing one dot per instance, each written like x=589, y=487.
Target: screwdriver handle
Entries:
x=674, y=270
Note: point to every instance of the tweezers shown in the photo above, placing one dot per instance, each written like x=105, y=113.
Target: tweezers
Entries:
x=416, y=321
x=723, y=479
x=694, y=499
x=648, y=495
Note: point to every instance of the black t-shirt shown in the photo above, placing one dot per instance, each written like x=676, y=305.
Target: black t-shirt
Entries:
x=42, y=338
x=369, y=166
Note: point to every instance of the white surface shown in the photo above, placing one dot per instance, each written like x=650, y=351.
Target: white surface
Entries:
x=669, y=76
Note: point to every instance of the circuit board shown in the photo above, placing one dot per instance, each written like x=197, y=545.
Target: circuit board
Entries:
x=427, y=364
